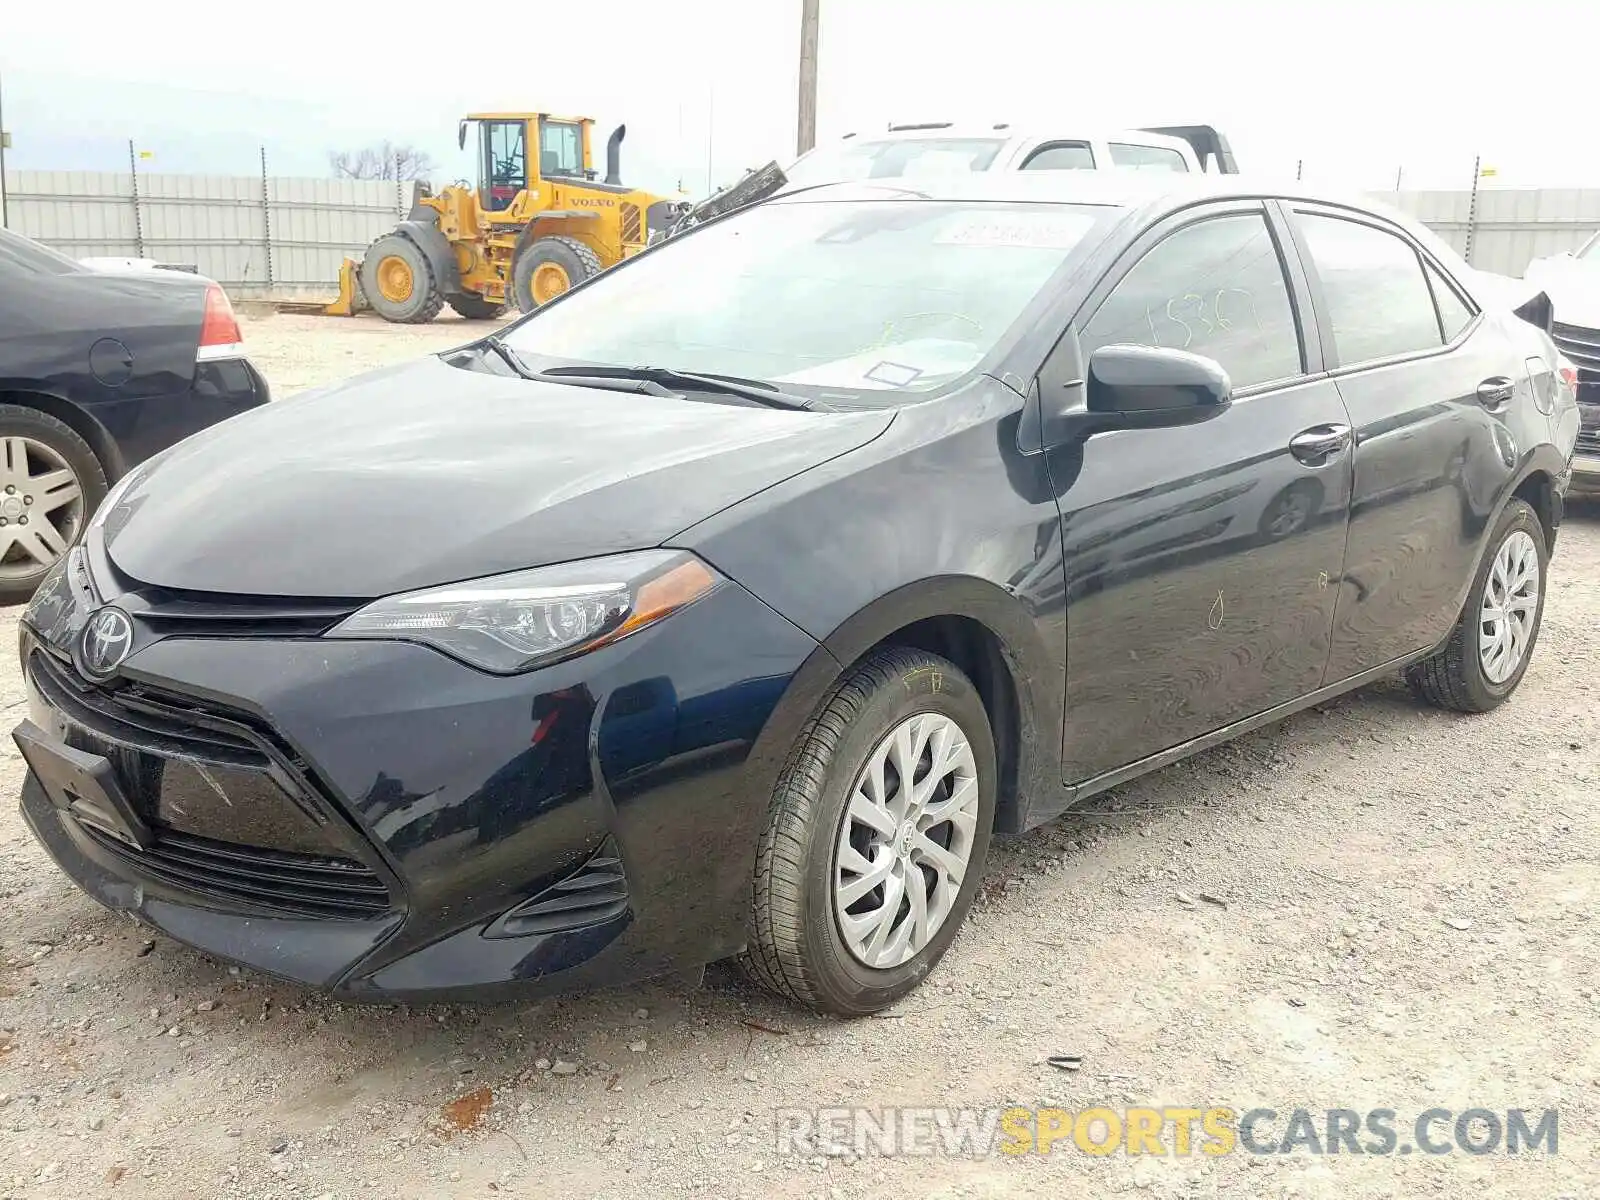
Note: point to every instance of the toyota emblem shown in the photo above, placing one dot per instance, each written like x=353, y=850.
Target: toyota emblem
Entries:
x=107, y=639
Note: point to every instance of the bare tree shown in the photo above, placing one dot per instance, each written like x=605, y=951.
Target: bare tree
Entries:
x=383, y=160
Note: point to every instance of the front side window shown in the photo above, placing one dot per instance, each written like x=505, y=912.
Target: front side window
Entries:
x=1061, y=156
x=1377, y=297
x=854, y=162
x=877, y=297
x=560, y=149
x=1147, y=158
x=1214, y=288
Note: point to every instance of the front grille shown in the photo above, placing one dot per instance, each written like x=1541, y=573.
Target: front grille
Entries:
x=234, y=815
x=272, y=881
x=1580, y=345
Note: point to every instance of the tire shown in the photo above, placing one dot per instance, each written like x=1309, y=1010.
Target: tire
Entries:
x=578, y=261
x=475, y=308
x=35, y=444
x=1458, y=677
x=417, y=305
x=797, y=945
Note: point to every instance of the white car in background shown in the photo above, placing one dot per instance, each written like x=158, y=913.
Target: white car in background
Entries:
x=1572, y=281
x=936, y=148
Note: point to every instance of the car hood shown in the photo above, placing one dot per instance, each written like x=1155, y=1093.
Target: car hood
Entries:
x=428, y=473
x=1573, y=285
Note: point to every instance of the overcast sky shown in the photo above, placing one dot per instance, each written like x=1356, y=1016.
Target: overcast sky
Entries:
x=1356, y=89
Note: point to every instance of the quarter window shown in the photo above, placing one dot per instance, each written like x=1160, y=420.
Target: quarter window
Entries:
x=1378, y=299
x=1061, y=156
x=1147, y=158
x=1454, y=315
x=1215, y=288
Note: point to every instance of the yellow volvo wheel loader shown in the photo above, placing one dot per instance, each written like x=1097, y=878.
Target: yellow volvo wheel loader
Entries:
x=538, y=222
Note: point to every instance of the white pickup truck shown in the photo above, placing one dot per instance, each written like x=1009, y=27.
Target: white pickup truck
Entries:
x=907, y=151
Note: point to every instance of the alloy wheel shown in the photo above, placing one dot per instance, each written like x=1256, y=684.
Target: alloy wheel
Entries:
x=41, y=507
x=1510, y=605
x=905, y=840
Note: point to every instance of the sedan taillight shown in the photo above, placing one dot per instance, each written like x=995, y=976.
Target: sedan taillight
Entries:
x=219, y=328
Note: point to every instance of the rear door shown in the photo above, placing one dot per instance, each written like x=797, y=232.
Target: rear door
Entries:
x=1427, y=380
x=1199, y=559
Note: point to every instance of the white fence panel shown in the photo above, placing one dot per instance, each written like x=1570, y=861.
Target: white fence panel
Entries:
x=286, y=237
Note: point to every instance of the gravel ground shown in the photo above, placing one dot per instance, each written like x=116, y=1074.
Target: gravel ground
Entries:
x=1409, y=922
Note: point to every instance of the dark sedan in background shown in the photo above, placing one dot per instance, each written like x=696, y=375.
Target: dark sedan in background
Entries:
x=98, y=371
x=731, y=601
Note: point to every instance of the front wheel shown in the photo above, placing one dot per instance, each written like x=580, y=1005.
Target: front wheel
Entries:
x=876, y=836
x=1491, y=645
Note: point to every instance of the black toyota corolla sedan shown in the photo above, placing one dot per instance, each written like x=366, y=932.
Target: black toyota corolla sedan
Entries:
x=726, y=605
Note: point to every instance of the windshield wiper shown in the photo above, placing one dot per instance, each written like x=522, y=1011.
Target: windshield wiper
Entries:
x=508, y=356
x=758, y=390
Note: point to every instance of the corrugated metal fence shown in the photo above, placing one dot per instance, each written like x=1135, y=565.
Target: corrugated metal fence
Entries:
x=257, y=236
x=262, y=236
x=1504, y=229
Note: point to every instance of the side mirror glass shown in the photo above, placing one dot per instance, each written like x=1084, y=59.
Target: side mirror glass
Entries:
x=461, y=135
x=1145, y=387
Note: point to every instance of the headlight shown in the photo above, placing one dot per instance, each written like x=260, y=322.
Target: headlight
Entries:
x=511, y=623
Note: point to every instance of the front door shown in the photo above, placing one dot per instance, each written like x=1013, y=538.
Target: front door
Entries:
x=505, y=164
x=1200, y=561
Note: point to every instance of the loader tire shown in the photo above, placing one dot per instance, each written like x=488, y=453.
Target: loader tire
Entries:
x=476, y=308
x=398, y=281
x=549, y=267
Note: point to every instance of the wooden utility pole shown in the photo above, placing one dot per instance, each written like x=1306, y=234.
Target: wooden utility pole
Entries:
x=807, y=137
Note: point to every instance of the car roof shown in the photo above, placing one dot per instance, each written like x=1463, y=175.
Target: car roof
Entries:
x=1117, y=188
x=1148, y=194
x=1002, y=131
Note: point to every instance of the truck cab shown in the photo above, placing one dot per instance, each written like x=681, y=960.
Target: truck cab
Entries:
x=907, y=151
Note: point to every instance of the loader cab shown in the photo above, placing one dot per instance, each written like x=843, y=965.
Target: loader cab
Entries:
x=518, y=150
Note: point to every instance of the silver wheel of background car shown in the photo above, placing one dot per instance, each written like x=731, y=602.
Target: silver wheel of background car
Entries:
x=905, y=840
x=41, y=507
x=1510, y=604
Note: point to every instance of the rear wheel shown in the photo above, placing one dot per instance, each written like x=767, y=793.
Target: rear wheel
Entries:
x=50, y=484
x=548, y=267
x=876, y=836
x=1492, y=643
x=398, y=281
x=476, y=308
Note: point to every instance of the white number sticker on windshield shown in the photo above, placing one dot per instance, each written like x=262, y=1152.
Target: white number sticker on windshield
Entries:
x=1046, y=231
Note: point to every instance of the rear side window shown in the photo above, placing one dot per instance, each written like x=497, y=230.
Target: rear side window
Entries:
x=20, y=254
x=1061, y=156
x=1378, y=299
x=1147, y=158
x=1454, y=315
x=1215, y=288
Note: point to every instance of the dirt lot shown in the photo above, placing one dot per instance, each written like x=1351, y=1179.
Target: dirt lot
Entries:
x=1410, y=922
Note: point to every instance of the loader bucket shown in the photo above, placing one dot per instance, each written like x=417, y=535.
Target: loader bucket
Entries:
x=351, y=299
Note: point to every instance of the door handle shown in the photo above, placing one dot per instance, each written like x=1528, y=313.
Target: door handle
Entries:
x=1316, y=445
x=1495, y=392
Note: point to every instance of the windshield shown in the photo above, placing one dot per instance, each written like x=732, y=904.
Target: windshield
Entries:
x=874, y=296
x=904, y=158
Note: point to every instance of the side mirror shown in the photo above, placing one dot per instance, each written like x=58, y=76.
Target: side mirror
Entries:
x=1144, y=387
x=461, y=135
